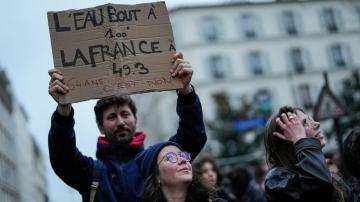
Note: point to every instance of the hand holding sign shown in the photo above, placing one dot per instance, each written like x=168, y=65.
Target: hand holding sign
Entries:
x=58, y=88
x=183, y=70
x=115, y=49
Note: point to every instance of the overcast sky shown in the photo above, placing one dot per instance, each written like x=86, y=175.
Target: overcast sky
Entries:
x=26, y=56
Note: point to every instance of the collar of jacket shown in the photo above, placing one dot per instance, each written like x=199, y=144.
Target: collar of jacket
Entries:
x=109, y=151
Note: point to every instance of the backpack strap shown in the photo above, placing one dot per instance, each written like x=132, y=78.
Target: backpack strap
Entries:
x=98, y=167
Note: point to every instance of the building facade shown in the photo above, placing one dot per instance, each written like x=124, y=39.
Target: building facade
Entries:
x=272, y=51
x=22, y=170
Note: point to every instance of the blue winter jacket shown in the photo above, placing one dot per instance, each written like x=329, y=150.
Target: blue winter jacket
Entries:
x=124, y=167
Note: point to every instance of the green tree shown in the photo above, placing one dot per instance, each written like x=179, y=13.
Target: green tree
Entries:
x=239, y=130
x=350, y=95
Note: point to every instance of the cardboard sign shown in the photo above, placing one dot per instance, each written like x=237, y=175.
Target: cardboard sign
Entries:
x=113, y=49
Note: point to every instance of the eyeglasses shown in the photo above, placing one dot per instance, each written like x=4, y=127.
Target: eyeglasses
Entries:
x=309, y=122
x=173, y=157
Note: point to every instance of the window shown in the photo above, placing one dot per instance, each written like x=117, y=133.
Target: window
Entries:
x=248, y=26
x=337, y=55
x=289, y=23
x=222, y=103
x=305, y=95
x=219, y=67
x=210, y=28
x=296, y=60
x=263, y=100
x=255, y=63
x=330, y=20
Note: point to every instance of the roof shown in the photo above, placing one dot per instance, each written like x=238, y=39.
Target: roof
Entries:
x=243, y=3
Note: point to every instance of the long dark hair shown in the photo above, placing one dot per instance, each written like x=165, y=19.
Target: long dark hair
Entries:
x=278, y=151
x=197, y=190
x=351, y=153
x=281, y=153
x=199, y=164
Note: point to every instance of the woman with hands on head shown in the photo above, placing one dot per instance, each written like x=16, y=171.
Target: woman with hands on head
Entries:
x=298, y=171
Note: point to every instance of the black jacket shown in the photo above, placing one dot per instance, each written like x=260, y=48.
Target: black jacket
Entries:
x=312, y=180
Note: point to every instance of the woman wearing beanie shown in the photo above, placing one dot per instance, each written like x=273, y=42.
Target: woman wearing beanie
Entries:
x=170, y=177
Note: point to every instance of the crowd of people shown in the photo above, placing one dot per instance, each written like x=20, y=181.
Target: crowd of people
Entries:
x=294, y=168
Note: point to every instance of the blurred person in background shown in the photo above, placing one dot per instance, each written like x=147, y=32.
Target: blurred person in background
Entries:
x=210, y=173
x=243, y=187
x=209, y=170
x=348, y=175
x=260, y=169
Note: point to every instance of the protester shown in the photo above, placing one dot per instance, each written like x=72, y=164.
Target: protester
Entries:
x=348, y=175
x=115, y=176
x=352, y=152
x=209, y=171
x=171, y=178
x=207, y=168
x=260, y=168
x=298, y=171
x=244, y=187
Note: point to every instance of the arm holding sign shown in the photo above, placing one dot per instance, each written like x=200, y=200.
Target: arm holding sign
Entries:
x=67, y=161
x=191, y=135
x=57, y=87
x=182, y=69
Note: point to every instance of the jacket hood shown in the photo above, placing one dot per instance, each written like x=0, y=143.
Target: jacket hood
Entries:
x=148, y=158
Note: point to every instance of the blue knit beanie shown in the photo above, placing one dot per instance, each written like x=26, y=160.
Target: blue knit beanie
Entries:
x=148, y=158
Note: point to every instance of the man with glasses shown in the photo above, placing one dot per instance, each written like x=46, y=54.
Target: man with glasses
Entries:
x=117, y=174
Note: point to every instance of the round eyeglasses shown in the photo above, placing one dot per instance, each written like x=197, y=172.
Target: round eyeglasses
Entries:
x=173, y=157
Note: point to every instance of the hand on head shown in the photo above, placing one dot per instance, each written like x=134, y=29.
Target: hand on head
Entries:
x=183, y=70
x=292, y=128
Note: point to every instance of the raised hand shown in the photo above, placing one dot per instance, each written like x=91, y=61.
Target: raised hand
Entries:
x=56, y=88
x=182, y=69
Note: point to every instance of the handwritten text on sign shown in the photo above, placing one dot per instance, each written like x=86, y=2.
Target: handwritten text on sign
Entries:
x=113, y=49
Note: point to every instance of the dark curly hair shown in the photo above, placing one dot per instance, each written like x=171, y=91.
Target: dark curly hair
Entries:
x=199, y=164
x=106, y=102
